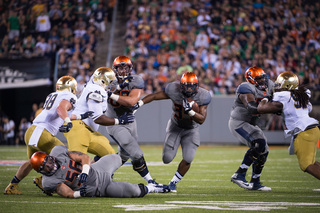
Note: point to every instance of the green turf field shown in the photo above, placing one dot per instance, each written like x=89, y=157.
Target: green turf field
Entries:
x=205, y=188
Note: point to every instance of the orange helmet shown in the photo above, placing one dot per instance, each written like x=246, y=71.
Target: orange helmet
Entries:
x=256, y=76
x=122, y=66
x=189, y=84
x=39, y=160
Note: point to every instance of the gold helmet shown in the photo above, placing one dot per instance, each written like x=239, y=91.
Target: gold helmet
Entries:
x=103, y=76
x=287, y=80
x=67, y=83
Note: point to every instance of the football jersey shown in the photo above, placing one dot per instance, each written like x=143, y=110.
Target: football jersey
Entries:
x=49, y=118
x=239, y=111
x=296, y=118
x=115, y=109
x=179, y=116
x=67, y=172
x=97, y=106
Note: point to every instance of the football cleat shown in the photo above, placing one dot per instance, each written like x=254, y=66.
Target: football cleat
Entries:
x=158, y=189
x=259, y=187
x=240, y=180
x=38, y=182
x=153, y=182
x=172, y=186
x=12, y=189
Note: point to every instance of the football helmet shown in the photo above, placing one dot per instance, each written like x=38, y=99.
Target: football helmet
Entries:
x=256, y=76
x=43, y=163
x=122, y=65
x=103, y=76
x=189, y=84
x=67, y=83
x=287, y=80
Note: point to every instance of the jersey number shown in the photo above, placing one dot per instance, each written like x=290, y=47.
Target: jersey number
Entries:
x=49, y=101
x=296, y=103
x=73, y=171
x=178, y=109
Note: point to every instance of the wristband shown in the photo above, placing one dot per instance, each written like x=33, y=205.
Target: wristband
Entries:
x=76, y=194
x=265, y=99
x=85, y=168
x=116, y=121
x=67, y=120
x=191, y=113
x=78, y=117
x=114, y=97
x=140, y=103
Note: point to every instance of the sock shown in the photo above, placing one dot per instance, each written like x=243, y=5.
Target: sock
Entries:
x=255, y=178
x=242, y=169
x=147, y=177
x=176, y=178
x=15, y=180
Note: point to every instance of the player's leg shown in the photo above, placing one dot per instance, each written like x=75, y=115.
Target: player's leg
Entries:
x=241, y=130
x=127, y=139
x=99, y=145
x=78, y=137
x=190, y=141
x=305, y=146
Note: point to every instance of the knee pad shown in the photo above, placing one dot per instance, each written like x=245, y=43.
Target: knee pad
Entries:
x=143, y=189
x=139, y=165
x=259, y=145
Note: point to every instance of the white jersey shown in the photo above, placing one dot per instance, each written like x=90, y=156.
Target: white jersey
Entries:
x=296, y=118
x=93, y=98
x=49, y=118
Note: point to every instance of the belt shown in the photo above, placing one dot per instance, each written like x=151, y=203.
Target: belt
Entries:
x=311, y=126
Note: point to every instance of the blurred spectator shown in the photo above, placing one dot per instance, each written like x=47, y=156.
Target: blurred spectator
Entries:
x=23, y=126
x=8, y=130
x=43, y=24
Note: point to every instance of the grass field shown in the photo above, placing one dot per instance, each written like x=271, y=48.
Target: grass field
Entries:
x=205, y=188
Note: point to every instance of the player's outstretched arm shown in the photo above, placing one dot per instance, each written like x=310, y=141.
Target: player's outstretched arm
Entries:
x=155, y=96
x=65, y=191
x=269, y=107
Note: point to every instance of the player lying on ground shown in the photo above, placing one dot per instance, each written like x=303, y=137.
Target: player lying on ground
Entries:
x=70, y=174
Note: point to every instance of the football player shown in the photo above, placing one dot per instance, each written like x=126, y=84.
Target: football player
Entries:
x=41, y=136
x=70, y=174
x=84, y=135
x=183, y=127
x=126, y=96
x=293, y=101
x=242, y=124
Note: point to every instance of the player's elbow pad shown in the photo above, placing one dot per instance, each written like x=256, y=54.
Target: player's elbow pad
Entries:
x=252, y=107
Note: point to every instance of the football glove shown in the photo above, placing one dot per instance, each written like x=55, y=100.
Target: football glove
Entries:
x=136, y=106
x=186, y=105
x=126, y=81
x=83, y=190
x=86, y=115
x=65, y=128
x=126, y=118
x=83, y=178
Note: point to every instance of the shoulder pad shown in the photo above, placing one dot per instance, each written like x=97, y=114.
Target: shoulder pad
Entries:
x=95, y=96
x=244, y=88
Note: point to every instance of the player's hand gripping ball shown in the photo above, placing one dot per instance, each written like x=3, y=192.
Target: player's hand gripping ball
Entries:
x=195, y=106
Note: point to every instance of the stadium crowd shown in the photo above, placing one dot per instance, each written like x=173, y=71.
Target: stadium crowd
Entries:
x=217, y=40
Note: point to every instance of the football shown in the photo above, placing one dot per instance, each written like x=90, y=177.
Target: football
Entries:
x=195, y=106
